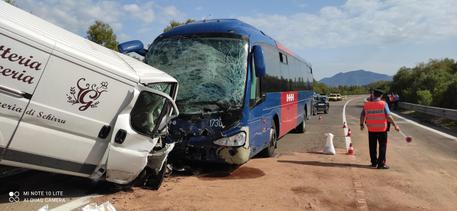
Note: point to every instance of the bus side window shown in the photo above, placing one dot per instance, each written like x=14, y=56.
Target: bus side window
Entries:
x=283, y=58
x=255, y=87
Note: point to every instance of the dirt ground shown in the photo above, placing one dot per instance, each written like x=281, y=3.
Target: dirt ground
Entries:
x=289, y=182
x=423, y=176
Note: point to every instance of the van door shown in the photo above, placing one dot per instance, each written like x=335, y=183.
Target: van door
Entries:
x=22, y=62
x=70, y=118
x=136, y=134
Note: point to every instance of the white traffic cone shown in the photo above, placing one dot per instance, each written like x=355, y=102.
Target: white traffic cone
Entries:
x=329, y=149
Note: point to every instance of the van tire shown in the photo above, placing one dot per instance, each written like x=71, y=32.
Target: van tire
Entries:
x=269, y=151
x=154, y=180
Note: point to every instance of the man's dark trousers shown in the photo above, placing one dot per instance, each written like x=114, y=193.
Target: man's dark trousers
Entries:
x=374, y=138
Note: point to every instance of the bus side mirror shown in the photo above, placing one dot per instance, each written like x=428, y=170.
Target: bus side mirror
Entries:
x=259, y=61
x=132, y=46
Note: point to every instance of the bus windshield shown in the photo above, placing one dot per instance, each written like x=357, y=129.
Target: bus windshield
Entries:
x=211, y=71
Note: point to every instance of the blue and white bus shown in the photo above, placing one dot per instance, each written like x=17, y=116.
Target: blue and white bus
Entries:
x=240, y=91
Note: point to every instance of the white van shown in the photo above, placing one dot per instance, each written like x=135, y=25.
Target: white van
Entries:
x=70, y=106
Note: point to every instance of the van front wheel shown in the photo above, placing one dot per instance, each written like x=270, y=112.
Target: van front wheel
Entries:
x=152, y=179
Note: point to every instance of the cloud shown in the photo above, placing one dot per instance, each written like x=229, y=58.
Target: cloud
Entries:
x=145, y=13
x=171, y=11
x=77, y=16
x=363, y=22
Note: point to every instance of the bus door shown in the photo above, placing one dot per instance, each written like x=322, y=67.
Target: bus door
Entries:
x=258, y=122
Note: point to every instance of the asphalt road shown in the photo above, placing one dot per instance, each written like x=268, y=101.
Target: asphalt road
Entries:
x=423, y=173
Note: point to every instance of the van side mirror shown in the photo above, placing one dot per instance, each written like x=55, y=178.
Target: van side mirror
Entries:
x=259, y=61
x=132, y=46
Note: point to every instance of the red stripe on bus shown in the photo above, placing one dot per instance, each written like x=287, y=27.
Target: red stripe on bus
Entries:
x=283, y=48
x=289, y=112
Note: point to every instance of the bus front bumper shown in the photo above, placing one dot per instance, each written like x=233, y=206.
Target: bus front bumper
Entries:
x=201, y=148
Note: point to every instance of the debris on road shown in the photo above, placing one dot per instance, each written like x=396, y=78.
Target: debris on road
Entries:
x=106, y=206
x=329, y=148
x=44, y=208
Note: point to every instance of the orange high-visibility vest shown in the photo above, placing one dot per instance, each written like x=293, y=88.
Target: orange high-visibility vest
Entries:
x=375, y=117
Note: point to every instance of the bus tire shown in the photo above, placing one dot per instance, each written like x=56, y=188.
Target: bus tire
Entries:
x=269, y=151
x=301, y=128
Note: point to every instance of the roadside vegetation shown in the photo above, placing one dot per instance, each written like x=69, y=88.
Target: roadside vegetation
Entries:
x=433, y=83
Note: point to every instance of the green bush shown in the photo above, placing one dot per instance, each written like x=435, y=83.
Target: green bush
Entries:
x=432, y=83
x=424, y=97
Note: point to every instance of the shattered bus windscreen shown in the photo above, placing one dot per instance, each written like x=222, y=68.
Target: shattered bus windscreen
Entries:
x=211, y=71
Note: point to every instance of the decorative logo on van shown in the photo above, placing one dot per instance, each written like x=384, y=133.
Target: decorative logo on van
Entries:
x=86, y=94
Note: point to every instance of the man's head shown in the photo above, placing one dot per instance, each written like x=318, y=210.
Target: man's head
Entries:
x=377, y=93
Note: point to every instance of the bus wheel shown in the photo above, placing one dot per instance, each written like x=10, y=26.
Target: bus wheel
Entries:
x=302, y=126
x=270, y=150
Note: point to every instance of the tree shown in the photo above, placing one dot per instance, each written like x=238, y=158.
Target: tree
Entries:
x=174, y=24
x=432, y=83
x=103, y=34
x=12, y=2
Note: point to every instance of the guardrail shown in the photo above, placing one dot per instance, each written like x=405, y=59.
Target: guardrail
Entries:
x=435, y=111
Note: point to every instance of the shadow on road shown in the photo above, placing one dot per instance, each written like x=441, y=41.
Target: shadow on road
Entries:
x=211, y=171
x=323, y=164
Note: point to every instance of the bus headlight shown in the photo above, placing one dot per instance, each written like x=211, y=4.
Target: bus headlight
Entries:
x=232, y=141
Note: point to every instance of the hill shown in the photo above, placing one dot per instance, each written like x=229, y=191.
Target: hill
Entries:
x=356, y=77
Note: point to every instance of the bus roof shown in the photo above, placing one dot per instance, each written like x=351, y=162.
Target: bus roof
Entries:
x=227, y=26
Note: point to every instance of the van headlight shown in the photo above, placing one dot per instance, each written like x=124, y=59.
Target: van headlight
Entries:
x=232, y=141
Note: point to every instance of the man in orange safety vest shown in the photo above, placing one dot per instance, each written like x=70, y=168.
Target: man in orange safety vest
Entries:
x=375, y=115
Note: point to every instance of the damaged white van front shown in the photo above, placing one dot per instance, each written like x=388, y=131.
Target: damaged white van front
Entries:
x=70, y=106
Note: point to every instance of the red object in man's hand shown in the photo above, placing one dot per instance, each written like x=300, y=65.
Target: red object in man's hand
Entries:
x=409, y=139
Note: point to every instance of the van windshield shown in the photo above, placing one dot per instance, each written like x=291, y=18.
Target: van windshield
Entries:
x=145, y=114
x=211, y=71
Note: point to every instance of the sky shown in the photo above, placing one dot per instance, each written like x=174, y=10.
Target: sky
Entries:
x=333, y=35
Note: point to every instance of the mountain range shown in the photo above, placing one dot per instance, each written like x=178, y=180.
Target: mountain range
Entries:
x=356, y=77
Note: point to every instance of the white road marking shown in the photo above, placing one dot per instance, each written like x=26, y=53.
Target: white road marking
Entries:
x=424, y=127
x=75, y=204
x=357, y=182
x=346, y=129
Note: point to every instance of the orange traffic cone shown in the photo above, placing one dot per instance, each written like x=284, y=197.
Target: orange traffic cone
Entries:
x=349, y=133
x=351, y=149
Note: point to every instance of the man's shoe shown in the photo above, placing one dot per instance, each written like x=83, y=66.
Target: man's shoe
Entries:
x=373, y=165
x=383, y=167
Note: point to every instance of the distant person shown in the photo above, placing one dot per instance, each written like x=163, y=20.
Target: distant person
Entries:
x=369, y=98
x=386, y=99
x=376, y=115
x=396, y=100
x=390, y=97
